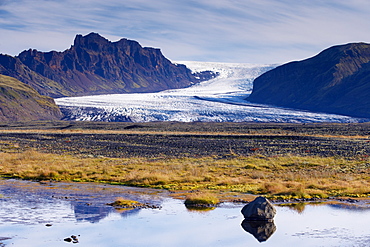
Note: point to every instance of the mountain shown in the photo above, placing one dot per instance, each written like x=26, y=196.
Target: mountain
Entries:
x=94, y=65
x=20, y=102
x=337, y=80
x=12, y=66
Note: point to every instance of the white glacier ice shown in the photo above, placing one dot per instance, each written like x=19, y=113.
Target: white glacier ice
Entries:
x=219, y=100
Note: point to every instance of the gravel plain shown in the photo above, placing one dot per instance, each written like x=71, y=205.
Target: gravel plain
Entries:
x=174, y=139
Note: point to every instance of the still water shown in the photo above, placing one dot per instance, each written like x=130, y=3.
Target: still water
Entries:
x=33, y=214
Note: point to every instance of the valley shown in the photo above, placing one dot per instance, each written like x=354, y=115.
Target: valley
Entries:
x=221, y=99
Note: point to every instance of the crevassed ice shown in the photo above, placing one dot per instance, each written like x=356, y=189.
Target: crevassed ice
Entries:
x=218, y=100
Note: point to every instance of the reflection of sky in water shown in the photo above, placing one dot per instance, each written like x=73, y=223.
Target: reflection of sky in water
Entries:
x=24, y=219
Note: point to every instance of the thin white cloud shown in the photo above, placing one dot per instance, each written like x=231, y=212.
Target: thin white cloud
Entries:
x=264, y=31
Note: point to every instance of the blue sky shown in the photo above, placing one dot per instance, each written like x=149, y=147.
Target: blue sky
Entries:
x=250, y=31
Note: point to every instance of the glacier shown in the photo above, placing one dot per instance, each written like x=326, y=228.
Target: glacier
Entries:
x=221, y=99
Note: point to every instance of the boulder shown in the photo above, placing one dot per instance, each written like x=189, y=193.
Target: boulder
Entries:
x=260, y=209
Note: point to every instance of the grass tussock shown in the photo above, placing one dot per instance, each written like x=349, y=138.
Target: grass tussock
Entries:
x=124, y=203
x=201, y=199
x=276, y=177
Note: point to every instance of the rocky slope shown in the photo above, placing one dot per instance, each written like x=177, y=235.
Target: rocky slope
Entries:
x=337, y=80
x=12, y=66
x=94, y=65
x=20, y=102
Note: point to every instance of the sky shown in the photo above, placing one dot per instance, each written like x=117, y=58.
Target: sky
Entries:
x=235, y=31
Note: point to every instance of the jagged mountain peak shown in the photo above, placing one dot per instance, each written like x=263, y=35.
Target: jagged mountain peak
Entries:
x=90, y=41
x=94, y=65
x=94, y=41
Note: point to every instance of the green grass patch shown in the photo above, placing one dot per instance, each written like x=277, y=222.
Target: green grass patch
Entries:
x=124, y=203
x=201, y=200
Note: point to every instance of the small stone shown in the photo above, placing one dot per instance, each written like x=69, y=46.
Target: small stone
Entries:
x=68, y=240
x=75, y=239
x=72, y=239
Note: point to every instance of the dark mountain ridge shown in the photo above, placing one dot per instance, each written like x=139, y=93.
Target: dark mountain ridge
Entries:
x=337, y=80
x=94, y=65
x=13, y=67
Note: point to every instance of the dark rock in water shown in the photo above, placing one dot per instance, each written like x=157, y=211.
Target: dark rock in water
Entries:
x=261, y=230
x=337, y=80
x=72, y=239
x=260, y=209
x=68, y=239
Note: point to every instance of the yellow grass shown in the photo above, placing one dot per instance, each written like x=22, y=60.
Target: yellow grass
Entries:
x=124, y=203
x=201, y=200
x=276, y=177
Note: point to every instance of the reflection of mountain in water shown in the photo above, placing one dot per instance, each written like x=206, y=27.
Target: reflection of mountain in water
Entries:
x=129, y=212
x=261, y=230
x=349, y=206
x=86, y=212
x=94, y=213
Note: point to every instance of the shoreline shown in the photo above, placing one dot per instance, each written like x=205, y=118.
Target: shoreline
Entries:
x=102, y=194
